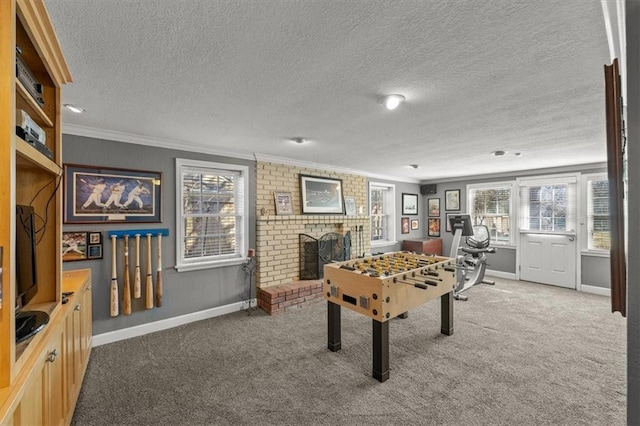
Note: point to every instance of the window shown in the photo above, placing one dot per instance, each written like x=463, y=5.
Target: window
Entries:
x=490, y=205
x=211, y=214
x=598, y=231
x=549, y=205
x=382, y=209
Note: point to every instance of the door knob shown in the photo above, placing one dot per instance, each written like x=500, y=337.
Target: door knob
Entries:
x=571, y=238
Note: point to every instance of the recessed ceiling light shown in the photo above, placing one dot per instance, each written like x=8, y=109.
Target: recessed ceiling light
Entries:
x=498, y=153
x=74, y=108
x=299, y=140
x=391, y=102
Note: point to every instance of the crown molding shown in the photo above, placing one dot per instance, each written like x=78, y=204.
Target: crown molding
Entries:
x=111, y=135
x=309, y=164
x=522, y=173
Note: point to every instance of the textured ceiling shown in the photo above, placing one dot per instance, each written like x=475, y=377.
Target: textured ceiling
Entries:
x=244, y=76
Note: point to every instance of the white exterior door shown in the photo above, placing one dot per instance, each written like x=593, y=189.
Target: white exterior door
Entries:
x=548, y=259
x=547, y=243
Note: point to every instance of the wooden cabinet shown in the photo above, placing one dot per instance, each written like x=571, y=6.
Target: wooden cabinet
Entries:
x=428, y=245
x=42, y=402
x=34, y=375
x=47, y=388
x=78, y=329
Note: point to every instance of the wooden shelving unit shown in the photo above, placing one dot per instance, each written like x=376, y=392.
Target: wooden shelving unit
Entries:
x=40, y=378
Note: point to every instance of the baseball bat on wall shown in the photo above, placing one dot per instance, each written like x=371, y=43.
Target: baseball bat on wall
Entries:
x=136, y=276
x=114, y=279
x=149, y=283
x=159, y=274
x=127, y=285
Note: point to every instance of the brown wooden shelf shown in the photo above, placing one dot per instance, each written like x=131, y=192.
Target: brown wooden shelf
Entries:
x=32, y=104
x=28, y=156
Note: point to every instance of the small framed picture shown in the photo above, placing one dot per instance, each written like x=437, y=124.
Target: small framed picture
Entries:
x=409, y=203
x=95, y=237
x=405, y=225
x=433, y=205
x=95, y=251
x=284, y=204
x=350, y=206
x=74, y=246
x=452, y=199
x=434, y=227
x=414, y=224
x=448, y=224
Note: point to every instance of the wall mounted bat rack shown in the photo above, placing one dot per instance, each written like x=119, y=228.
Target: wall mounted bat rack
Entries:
x=142, y=232
x=153, y=297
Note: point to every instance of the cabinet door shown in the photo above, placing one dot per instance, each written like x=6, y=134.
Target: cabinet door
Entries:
x=72, y=355
x=86, y=327
x=54, y=390
x=31, y=408
x=43, y=401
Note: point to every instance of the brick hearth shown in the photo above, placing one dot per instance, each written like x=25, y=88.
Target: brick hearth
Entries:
x=293, y=295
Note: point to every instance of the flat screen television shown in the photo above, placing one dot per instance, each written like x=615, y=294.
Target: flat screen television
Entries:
x=28, y=323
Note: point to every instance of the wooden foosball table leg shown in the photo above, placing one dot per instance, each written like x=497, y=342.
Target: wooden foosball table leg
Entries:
x=380, y=350
x=446, y=311
x=334, y=342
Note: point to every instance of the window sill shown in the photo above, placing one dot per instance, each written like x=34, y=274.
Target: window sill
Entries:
x=208, y=265
x=383, y=243
x=595, y=253
x=503, y=246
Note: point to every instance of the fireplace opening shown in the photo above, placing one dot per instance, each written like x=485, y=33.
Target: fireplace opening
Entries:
x=317, y=252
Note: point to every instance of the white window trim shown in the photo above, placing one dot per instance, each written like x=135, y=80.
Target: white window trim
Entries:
x=512, y=208
x=182, y=266
x=392, y=216
x=584, y=218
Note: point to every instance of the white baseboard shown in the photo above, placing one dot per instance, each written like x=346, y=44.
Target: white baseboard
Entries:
x=596, y=290
x=500, y=274
x=141, y=330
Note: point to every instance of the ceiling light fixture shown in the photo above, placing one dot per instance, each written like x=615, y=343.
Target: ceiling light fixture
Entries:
x=391, y=102
x=299, y=140
x=498, y=153
x=74, y=108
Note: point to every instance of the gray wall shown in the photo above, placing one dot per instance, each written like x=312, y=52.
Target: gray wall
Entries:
x=633, y=289
x=421, y=232
x=184, y=292
x=504, y=260
x=595, y=270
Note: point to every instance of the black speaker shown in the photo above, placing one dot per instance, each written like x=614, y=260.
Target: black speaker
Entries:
x=428, y=189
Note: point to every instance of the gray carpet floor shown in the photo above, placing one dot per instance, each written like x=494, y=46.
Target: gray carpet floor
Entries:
x=521, y=354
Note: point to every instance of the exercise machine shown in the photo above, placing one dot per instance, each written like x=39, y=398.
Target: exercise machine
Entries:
x=472, y=265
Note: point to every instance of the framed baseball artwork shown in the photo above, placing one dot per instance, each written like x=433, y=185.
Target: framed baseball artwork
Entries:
x=108, y=195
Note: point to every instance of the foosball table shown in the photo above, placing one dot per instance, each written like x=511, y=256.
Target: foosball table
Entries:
x=384, y=287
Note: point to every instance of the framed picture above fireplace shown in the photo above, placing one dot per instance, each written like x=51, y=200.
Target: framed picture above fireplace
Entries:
x=321, y=195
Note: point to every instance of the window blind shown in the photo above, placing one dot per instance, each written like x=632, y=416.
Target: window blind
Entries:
x=548, y=205
x=598, y=225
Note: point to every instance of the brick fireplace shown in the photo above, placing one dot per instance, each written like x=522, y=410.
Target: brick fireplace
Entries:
x=277, y=236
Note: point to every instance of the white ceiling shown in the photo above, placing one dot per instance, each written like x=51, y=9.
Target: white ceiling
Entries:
x=243, y=76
